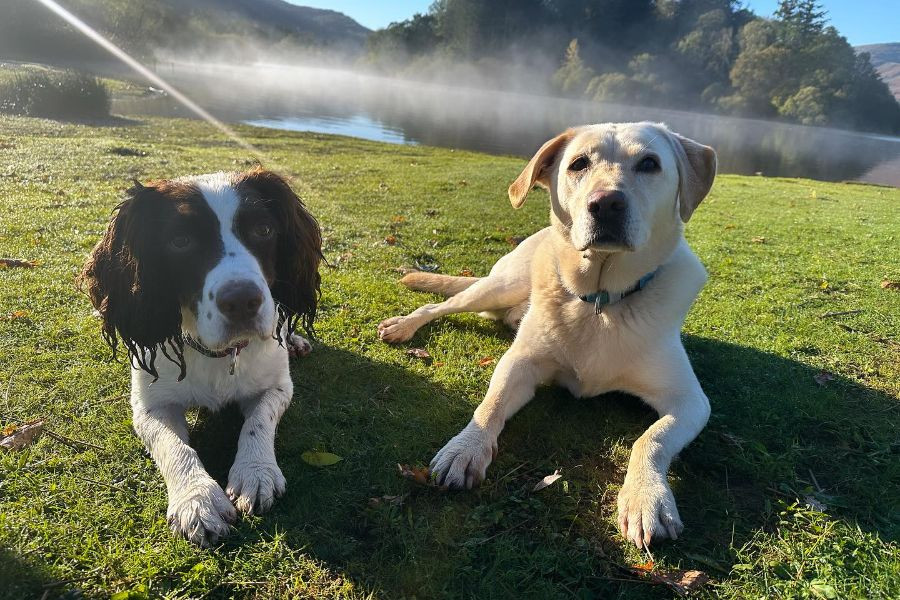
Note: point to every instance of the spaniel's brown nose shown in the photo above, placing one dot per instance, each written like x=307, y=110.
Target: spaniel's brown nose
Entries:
x=239, y=301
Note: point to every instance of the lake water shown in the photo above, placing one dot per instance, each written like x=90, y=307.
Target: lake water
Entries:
x=404, y=112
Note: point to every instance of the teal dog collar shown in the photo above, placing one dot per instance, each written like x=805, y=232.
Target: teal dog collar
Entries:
x=602, y=298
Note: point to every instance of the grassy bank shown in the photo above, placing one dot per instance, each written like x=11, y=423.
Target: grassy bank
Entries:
x=793, y=489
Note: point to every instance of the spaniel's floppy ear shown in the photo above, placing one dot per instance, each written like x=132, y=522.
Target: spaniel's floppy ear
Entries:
x=696, y=172
x=537, y=171
x=296, y=285
x=127, y=284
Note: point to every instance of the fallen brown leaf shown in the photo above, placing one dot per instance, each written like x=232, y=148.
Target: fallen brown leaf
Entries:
x=823, y=377
x=16, y=314
x=680, y=580
x=515, y=240
x=815, y=503
x=547, y=480
x=438, y=363
x=487, y=360
x=390, y=240
x=9, y=263
x=405, y=270
x=466, y=273
x=22, y=435
x=419, y=353
x=388, y=500
x=644, y=567
x=419, y=475
x=398, y=219
x=887, y=284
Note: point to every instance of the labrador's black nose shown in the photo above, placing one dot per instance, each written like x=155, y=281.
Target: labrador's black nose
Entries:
x=607, y=204
x=239, y=301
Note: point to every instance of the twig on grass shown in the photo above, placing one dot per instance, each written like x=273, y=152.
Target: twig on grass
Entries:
x=839, y=313
x=71, y=443
x=104, y=484
x=88, y=575
x=873, y=336
x=110, y=399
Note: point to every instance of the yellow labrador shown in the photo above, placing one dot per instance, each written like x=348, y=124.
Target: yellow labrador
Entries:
x=601, y=295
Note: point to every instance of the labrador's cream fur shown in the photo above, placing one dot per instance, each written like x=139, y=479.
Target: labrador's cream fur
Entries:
x=633, y=345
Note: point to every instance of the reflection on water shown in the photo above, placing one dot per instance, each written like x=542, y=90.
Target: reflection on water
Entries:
x=397, y=111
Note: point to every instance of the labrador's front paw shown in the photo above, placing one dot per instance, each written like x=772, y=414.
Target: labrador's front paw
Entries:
x=462, y=463
x=647, y=511
x=201, y=512
x=253, y=487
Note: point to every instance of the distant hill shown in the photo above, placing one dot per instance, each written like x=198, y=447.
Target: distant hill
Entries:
x=886, y=59
x=28, y=31
x=327, y=26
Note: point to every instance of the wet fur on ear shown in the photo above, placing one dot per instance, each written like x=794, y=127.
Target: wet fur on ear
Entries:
x=297, y=280
x=696, y=173
x=127, y=285
x=537, y=171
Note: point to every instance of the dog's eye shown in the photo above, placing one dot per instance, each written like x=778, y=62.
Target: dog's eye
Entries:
x=648, y=164
x=579, y=164
x=263, y=230
x=180, y=243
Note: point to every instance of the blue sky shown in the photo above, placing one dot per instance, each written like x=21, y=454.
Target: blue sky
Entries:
x=860, y=21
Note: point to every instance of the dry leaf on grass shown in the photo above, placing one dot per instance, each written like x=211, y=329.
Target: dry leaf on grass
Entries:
x=390, y=240
x=419, y=475
x=487, y=360
x=320, y=459
x=405, y=270
x=815, y=504
x=823, y=377
x=16, y=437
x=682, y=581
x=16, y=314
x=515, y=240
x=887, y=284
x=398, y=219
x=10, y=263
x=466, y=273
x=419, y=353
x=758, y=239
x=388, y=500
x=546, y=481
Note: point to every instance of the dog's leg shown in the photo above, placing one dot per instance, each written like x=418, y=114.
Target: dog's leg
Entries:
x=462, y=462
x=487, y=294
x=255, y=479
x=198, y=508
x=647, y=509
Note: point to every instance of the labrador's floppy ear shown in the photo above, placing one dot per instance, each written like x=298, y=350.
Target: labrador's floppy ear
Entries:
x=696, y=172
x=537, y=171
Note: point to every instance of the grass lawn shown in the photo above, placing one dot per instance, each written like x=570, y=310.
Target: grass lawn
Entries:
x=792, y=490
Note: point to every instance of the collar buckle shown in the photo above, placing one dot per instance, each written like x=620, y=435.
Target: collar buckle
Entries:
x=603, y=298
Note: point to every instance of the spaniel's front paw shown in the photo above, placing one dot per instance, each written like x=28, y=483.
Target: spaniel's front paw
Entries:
x=253, y=487
x=201, y=512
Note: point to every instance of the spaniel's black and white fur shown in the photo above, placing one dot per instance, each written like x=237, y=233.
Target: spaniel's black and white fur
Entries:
x=204, y=279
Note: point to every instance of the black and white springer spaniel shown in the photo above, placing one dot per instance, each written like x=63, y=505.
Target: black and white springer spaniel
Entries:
x=204, y=279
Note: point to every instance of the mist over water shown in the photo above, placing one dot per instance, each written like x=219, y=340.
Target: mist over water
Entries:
x=362, y=105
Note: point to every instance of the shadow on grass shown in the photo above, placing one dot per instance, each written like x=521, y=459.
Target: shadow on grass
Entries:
x=23, y=579
x=776, y=435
